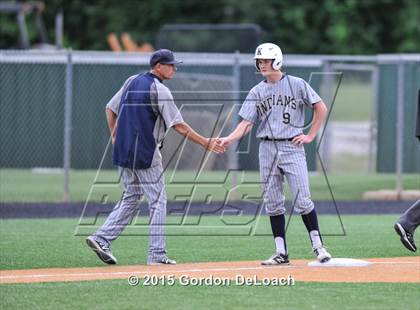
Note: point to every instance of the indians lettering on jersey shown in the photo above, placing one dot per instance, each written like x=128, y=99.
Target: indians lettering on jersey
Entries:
x=267, y=104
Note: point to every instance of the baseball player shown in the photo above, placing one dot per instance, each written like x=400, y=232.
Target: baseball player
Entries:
x=410, y=220
x=138, y=116
x=276, y=105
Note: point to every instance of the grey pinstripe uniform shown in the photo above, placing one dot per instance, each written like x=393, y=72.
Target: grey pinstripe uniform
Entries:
x=278, y=111
x=148, y=182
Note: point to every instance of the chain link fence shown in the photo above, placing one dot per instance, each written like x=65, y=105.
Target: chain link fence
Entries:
x=32, y=91
x=52, y=108
x=352, y=126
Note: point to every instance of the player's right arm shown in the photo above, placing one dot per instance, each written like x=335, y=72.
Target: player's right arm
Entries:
x=240, y=131
x=248, y=113
x=208, y=143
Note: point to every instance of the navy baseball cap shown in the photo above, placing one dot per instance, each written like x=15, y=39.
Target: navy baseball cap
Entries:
x=163, y=56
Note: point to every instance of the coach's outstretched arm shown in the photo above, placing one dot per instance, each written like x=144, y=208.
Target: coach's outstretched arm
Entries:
x=320, y=112
x=240, y=131
x=208, y=143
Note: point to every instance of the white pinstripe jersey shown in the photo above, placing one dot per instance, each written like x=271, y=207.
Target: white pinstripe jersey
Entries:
x=278, y=109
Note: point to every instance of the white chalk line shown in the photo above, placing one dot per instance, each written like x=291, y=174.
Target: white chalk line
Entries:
x=138, y=272
x=395, y=263
x=128, y=273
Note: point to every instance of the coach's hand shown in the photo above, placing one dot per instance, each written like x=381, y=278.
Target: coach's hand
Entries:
x=214, y=146
x=302, y=139
x=225, y=142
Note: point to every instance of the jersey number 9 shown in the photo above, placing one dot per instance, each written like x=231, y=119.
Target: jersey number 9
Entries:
x=286, y=118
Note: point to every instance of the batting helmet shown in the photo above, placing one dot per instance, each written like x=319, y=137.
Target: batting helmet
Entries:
x=269, y=51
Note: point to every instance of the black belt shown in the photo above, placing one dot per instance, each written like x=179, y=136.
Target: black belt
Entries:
x=273, y=139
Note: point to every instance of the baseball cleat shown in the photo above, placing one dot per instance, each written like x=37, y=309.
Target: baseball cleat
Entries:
x=406, y=237
x=102, y=250
x=321, y=254
x=276, y=259
x=163, y=261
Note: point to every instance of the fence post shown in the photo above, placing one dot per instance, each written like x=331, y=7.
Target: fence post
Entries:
x=328, y=95
x=233, y=154
x=400, y=128
x=67, y=124
x=373, y=136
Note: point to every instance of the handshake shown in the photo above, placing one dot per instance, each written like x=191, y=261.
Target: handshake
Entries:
x=218, y=145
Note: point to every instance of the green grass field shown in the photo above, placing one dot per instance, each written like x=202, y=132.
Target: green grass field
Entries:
x=41, y=243
x=25, y=186
x=117, y=294
x=51, y=243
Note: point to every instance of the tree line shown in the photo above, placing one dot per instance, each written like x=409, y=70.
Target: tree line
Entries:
x=305, y=27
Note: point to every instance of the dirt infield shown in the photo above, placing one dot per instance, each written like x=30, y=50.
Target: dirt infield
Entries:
x=397, y=269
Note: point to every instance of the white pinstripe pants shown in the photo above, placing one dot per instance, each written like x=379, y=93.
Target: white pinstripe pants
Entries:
x=410, y=219
x=138, y=182
x=279, y=159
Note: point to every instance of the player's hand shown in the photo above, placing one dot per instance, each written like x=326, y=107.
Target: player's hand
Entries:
x=225, y=142
x=302, y=139
x=215, y=147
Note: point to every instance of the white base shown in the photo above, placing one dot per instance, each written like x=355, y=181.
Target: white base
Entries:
x=340, y=262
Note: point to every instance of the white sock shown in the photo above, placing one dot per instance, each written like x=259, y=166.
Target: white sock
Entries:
x=280, y=248
x=315, y=239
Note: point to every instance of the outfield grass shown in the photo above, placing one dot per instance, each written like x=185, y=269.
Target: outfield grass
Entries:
x=50, y=243
x=25, y=186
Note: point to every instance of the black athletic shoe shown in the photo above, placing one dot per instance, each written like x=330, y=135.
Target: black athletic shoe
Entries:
x=102, y=250
x=276, y=259
x=406, y=237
